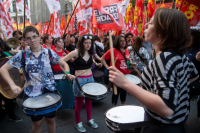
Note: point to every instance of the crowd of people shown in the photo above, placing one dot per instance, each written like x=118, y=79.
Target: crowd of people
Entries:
x=166, y=59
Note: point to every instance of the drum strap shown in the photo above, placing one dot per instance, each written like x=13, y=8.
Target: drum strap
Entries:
x=50, y=57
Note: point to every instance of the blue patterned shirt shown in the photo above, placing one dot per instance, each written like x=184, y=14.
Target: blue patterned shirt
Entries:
x=37, y=69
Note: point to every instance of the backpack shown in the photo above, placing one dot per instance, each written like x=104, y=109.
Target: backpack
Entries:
x=99, y=50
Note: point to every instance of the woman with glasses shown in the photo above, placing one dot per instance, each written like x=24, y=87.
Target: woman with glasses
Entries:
x=37, y=65
x=121, y=56
x=165, y=82
x=83, y=59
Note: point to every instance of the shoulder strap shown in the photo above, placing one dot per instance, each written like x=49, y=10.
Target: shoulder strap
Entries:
x=65, y=51
x=23, y=59
x=50, y=57
x=123, y=55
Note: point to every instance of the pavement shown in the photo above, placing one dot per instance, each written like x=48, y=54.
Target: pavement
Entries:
x=65, y=119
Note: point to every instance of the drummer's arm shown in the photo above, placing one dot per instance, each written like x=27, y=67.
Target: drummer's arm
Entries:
x=63, y=65
x=104, y=62
x=71, y=55
x=148, y=99
x=5, y=75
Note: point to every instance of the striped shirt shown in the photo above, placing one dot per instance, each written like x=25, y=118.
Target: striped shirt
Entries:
x=168, y=76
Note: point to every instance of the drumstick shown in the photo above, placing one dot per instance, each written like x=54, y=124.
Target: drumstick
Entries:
x=83, y=72
x=112, y=59
x=78, y=74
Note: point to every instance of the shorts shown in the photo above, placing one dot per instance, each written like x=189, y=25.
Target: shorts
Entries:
x=82, y=81
x=40, y=117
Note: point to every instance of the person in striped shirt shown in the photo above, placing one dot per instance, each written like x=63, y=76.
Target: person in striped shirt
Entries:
x=164, y=90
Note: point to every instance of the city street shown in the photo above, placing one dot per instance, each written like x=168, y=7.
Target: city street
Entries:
x=65, y=119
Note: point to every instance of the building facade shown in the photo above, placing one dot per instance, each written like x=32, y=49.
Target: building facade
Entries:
x=39, y=11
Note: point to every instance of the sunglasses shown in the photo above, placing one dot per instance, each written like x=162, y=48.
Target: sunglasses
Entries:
x=87, y=36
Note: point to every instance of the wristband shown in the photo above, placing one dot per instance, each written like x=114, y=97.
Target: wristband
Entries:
x=67, y=72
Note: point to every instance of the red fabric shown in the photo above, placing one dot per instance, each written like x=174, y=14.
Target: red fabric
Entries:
x=120, y=63
x=106, y=15
x=191, y=11
x=61, y=54
x=52, y=46
x=151, y=8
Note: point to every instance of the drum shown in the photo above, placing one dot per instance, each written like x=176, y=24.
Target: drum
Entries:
x=127, y=118
x=15, y=75
x=134, y=79
x=65, y=90
x=94, y=91
x=44, y=104
x=98, y=76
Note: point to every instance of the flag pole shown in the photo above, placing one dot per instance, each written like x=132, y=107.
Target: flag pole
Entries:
x=70, y=17
x=49, y=24
x=16, y=18
x=24, y=13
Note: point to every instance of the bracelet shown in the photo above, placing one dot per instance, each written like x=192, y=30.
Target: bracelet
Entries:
x=67, y=72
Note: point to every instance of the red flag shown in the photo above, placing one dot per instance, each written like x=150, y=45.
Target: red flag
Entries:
x=83, y=28
x=151, y=8
x=140, y=7
x=191, y=11
x=163, y=5
x=178, y=3
x=6, y=21
x=144, y=22
x=106, y=15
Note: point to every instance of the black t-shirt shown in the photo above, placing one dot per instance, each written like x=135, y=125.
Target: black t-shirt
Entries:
x=70, y=48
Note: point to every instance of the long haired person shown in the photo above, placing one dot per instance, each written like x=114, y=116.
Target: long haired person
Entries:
x=83, y=59
x=121, y=56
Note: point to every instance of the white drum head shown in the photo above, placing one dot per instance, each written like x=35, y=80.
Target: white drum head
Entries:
x=41, y=101
x=134, y=79
x=94, y=89
x=126, y=114
x=58, y=76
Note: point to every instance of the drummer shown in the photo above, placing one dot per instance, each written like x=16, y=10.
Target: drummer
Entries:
x=165, y=81
x=121, y=56
x=83, y=59
x=9, y=108
x=38, y=71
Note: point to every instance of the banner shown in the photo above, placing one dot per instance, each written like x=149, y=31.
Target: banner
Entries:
x=191, y=11
x=21, y=26
x=106, y=15
x=5, y=21
x=83, y=10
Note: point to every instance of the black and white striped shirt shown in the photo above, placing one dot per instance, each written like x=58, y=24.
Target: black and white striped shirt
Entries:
x=168, y=76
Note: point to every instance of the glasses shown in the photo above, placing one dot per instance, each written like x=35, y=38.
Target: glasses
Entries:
x=122, y=41
x=31, y=38
x=87, y=37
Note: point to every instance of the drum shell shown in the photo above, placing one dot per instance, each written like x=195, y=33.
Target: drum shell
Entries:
x=91, y=97
x=94, y=97
x=15, y=75
x=42, y=111
x=66, y=92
